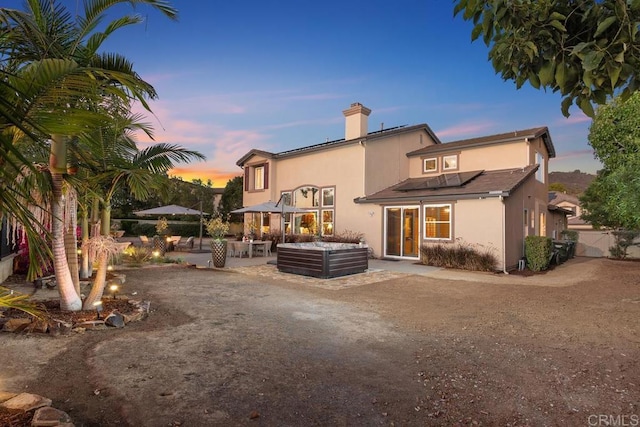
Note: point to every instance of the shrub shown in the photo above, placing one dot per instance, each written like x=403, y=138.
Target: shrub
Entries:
x=459, y=255
x=623, y=239
x=126, y=225
x=143, y=229
x=137, y=256
x=571, y=235
x=537, y=249
x=347, y=236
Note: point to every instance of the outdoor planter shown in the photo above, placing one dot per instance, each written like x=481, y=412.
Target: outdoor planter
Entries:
x=219, y=253
x=322, y=259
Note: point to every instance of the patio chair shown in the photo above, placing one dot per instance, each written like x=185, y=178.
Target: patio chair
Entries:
x=265, y=249
x=186, y=246
x=241, y=248
x=145, y=242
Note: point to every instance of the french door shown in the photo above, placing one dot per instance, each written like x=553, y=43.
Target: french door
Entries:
x=402, y=231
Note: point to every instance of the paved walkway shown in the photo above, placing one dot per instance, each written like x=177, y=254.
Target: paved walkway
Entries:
x=203, y=260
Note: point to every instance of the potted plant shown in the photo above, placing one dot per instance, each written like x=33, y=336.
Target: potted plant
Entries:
x=218, y=229
x=162, y=227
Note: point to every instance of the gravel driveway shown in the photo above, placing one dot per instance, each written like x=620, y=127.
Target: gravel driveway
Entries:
x=233, y=348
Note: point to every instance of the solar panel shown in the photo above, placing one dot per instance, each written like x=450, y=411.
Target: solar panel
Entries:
x=445, y=180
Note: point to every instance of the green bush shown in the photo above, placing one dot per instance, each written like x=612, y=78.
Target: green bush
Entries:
x=143, y=229
x=460, y=255
x=623, y=239
x=537, y=250
x=126, y=225
x=571, y=235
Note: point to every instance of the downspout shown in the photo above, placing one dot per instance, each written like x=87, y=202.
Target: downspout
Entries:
x=504, y=236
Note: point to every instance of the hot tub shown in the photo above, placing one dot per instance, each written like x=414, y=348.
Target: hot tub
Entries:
x=322, y=259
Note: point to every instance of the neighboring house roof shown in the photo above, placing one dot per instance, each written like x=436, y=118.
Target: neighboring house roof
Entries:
x=556, y=197
x=330, y=144
x=552, y=208
x=474, y=184
x=518, y=135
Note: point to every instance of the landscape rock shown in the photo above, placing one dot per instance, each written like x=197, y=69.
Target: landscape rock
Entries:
x=48, y=416
x=26, y=402
x=91, y=325
x=16, y=325
x=5, y=395
x=115, y=319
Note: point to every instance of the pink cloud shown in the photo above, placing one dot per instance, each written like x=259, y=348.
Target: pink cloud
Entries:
x=573, y=154
x=575, y=118
x=467, y=129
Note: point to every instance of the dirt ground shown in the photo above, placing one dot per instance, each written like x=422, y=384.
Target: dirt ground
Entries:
x=227, y=348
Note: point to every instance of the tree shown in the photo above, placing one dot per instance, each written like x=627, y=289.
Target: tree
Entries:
x=43, y=41
x=557, y=186
x=231, y=196
x=613, y=198
x=586, y=50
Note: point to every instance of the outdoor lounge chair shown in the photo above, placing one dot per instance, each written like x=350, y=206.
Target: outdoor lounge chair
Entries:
x=186, y=246
x=145, y=242
x=265, y=249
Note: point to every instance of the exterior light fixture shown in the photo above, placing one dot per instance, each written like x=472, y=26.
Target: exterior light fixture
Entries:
x=114, y=290
x=156, y=254
x=98, y=306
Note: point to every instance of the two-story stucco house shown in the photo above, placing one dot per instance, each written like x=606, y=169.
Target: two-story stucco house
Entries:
x=403, y=188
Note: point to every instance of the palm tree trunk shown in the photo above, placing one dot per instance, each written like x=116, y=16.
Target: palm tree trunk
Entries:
x=85, y=273
x=71, y=250
x=97, y=289
x=69, y=298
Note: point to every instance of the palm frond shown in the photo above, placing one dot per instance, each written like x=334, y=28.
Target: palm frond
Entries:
x=18, y=301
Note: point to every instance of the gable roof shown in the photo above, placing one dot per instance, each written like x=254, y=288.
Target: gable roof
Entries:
x=383, y=133
x=492, y=183
x=518, y=135
x=556, y=197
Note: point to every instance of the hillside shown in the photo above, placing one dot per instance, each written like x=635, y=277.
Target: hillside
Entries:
x=575, y=182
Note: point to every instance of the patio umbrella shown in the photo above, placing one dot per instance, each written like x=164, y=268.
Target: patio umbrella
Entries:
x=170, y=210
x=270, y=207
x=175, y=210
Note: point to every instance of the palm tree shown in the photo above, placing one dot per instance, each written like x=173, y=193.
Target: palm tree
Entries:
x=45, y=47
x=113, y=161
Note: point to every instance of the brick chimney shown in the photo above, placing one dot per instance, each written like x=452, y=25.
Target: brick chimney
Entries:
x=356, y=121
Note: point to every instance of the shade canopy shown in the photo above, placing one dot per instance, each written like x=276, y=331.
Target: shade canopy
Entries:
x=170, y=210
x=269, y=207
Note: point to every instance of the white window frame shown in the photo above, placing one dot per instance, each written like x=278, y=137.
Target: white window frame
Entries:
x=435, y=165
x=541, y=172
x=258, y=177
x=333, y=196
x=330, y=225
x=425, y=227
x=444, y=162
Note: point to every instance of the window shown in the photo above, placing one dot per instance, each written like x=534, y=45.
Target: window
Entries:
x=327, y=196
x=258, y=178
x=306, y=197
x=306, y=223
x=327, y=222
x=437, y=221
x=450, y=162
x=543, y=224
x=541, y=172
x=430, y=165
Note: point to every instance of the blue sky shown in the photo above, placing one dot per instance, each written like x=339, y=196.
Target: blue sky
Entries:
x=276, y=75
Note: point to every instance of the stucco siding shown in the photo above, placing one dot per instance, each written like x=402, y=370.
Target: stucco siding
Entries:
x=386, y=160
x=478, y=222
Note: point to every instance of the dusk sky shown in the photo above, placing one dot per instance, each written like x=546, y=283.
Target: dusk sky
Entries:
x=276, y=75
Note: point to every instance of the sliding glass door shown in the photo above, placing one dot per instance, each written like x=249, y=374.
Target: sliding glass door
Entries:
x=402, y=231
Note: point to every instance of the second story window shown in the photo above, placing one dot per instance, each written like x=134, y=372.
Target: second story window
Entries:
x=430, y=165
x=450, y=162
x=541, y=172
x=258, y=178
